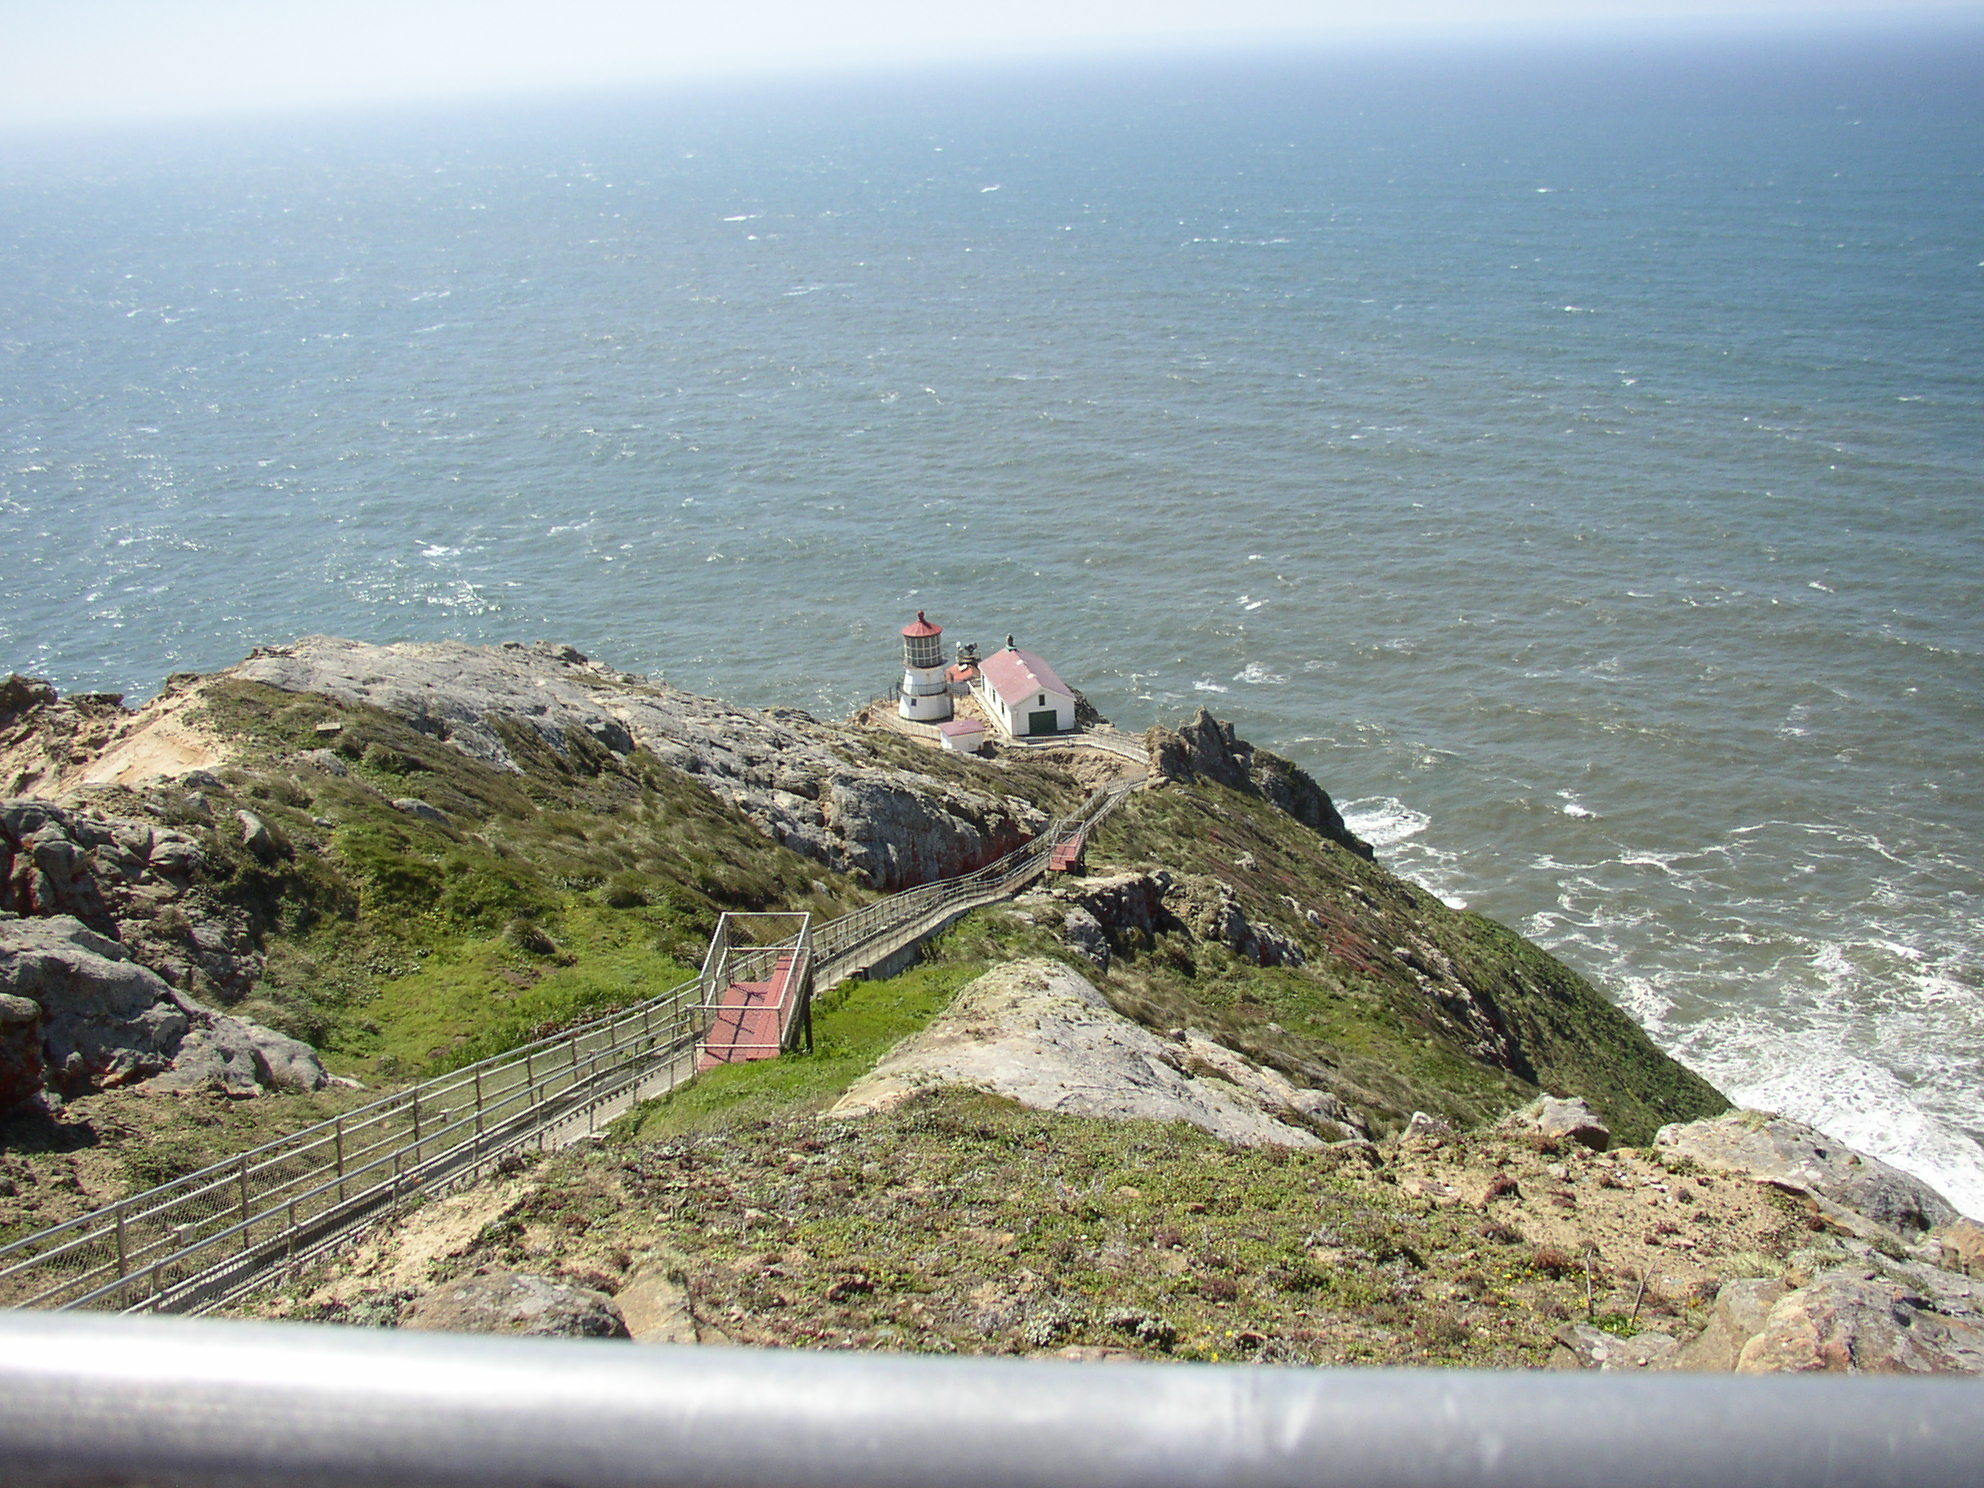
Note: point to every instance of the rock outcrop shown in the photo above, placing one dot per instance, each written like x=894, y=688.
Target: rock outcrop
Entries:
x=104, y=1020
x=1102, y=912
x=1958, y=1244
x=816, y=787
x=133, y=881
x=1564, y=1119
x=1207, y=749
x=1039, y=1033
x=52, y=746
x=23, y=1065
x=516, y=1302
x=1800, y=1159
x=1862, y=1321
x=1741, y=1309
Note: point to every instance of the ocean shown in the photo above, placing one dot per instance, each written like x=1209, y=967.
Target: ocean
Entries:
x=1570, y=453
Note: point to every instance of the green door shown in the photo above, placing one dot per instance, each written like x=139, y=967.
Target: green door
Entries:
x=1041, y=722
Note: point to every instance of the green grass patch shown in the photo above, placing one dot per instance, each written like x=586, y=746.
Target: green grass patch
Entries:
x=853, y=1028
x=401, y=945
x=1404, y=1003
x=484, y=996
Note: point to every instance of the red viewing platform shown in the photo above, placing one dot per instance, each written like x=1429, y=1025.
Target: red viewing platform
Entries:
x=751, y=1019
x=1067, y=857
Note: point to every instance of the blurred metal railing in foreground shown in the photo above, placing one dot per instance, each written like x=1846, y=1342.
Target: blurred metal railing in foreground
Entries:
x=192, y=1404
x=200, y=1240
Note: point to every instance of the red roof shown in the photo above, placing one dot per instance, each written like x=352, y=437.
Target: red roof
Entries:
x=922, y=627
x=963, y=674
x=961, y=726
x=1020, y=674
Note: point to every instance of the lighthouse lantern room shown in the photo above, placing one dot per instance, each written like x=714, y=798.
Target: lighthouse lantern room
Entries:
x=926, y=690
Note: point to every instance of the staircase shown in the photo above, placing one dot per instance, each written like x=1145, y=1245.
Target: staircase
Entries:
x=748, y=1020
x=764, y=965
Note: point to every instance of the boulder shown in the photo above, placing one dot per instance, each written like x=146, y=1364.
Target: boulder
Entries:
x=1038, y=1032
x=1741, y=1308
x=1860, y=1321
x=1795, y=1157
x=655, y=1308
x=23, y=1067
x=516, y=1302
x=1565, y=1118
x=1084, y=934
x=258, y=837
x=415, y=807
x=105, y=1020
x=1425, y=1130
x=240, y=1058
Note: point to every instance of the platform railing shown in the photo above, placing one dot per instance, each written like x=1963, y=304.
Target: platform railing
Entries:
x=90, y=1401
x=204, y=1238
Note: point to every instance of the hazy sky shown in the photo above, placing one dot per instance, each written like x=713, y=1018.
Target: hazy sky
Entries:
x=81, y=60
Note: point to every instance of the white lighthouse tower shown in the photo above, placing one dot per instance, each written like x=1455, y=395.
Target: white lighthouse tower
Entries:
x=926, y=688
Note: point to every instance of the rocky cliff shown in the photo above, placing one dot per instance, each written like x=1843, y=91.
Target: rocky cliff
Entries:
x=890, y=818
x=324, y=819
x=1207, y=749
x=1266, y=1099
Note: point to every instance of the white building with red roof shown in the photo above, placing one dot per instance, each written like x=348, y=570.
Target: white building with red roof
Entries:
x=1020, y=692
x=962, y=735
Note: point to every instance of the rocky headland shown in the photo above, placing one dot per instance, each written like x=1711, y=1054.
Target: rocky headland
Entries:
x=1269, y=1101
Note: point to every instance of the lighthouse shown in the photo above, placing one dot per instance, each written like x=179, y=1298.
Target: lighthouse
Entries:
x=926, y=689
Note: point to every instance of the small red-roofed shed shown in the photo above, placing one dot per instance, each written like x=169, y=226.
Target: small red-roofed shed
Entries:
x=963, y=735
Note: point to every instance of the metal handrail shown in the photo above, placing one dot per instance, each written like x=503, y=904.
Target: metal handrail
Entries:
x=86, y=1401
x=197, y=1239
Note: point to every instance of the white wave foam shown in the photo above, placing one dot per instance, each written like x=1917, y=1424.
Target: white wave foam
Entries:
x=1865, y=1106
x=1384, y=821
x=1206, y=685
x=1259, y=675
